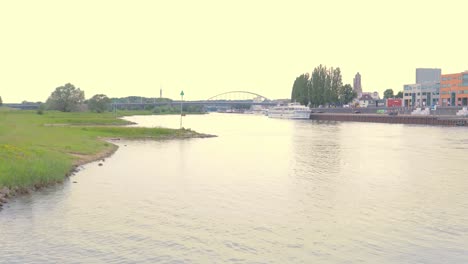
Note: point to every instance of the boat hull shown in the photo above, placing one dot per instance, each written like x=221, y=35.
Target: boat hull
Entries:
x=286, y=115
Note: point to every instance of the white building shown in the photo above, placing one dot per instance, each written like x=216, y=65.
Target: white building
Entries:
x=421, y=94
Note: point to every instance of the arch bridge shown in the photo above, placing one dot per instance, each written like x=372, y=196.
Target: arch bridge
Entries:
x=239, y=96
x=238, y=101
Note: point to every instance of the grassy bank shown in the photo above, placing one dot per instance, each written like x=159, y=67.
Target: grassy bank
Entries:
x=39, y=149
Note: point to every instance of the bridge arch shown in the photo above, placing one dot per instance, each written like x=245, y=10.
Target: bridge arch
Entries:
x=219, y=96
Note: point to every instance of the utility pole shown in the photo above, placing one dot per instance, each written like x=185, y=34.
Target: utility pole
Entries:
x=181, y=105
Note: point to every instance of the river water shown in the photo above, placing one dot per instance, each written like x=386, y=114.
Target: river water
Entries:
x=263, y=191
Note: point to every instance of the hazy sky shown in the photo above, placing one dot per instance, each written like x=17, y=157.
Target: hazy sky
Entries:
x=122, y=48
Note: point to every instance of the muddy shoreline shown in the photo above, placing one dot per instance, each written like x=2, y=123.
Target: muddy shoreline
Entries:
x=7, y=193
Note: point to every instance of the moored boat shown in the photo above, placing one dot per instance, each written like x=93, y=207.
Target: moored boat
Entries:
x=290, y=111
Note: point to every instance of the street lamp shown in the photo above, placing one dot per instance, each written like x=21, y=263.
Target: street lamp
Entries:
x=181, y=103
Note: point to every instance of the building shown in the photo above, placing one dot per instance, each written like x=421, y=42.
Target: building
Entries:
x=426, y=75
x=425, y=92
x=367, y=100
x=454, y=89
x=421, y=94
x=357, y=84
x=374, y=95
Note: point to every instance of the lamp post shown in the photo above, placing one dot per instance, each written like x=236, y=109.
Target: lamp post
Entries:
x=181, y=104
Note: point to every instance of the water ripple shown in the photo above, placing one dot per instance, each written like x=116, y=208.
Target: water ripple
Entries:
x=264, y=191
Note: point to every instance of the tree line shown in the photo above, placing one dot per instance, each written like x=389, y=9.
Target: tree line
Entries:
x=323, y=87
x=390, y=94
x=68, y=98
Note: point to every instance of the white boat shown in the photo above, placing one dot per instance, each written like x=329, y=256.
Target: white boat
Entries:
x=290, y=111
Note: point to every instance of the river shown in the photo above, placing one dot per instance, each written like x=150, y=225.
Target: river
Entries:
x=263, y=191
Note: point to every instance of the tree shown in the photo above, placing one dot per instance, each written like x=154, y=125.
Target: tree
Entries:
x=300, y=90
x=325, y=86
x=399, y=95
x=1, y=101
x=99, y=103
x=336, y=84
x=319, y=94
x=388, y=94
x=346, y=94
x=65, y=98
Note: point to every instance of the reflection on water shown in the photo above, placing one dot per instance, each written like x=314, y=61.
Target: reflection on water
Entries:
x=264, y=191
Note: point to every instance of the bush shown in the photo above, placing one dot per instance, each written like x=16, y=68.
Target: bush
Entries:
x=41, y=109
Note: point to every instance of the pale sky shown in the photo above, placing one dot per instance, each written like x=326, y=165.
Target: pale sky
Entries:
x=122, y=48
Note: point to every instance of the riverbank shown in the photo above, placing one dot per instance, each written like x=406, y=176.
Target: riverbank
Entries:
x=41, y=150
x=393, y=119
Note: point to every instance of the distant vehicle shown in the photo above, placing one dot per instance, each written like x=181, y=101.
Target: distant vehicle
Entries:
x=357, y=112
x=393, y=113
x=346, y=106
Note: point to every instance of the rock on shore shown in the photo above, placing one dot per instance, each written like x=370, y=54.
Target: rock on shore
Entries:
x=4, y=194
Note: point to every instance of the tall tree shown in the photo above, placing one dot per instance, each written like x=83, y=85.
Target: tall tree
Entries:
x=99, y=103
x=399, y=95
x=1, y=101
x=325, y=86
x=388, y=93
x=336, y=84
x=300, y=91
x=319, y=93
x=65, y=98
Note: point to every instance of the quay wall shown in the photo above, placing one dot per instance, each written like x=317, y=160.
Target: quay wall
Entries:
x=447, y=110
x=398, y=119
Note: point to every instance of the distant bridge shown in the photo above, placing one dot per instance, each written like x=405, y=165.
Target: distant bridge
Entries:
x=226, y=99
x=29, y=106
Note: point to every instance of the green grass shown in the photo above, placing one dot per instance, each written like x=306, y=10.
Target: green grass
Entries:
x=38, y=148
